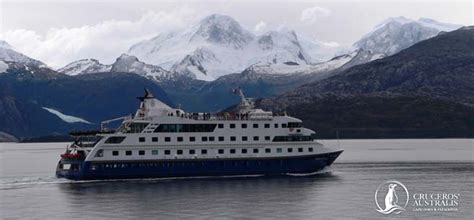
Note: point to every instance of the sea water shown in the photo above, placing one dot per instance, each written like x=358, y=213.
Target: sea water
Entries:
x=29, y=190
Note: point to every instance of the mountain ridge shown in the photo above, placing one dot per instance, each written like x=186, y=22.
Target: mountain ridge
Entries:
x=220, y=39
x=428, y=85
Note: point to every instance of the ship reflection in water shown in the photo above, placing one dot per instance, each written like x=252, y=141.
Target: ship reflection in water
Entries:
x=213, y=197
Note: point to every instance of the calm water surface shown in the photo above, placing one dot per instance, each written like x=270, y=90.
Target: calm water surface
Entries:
x=28, y=188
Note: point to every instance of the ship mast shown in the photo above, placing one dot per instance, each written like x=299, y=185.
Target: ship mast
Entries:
x=245, y=103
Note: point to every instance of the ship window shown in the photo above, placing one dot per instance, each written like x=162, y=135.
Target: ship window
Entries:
x=244, y=125
x=244, y=151
x=295, y=124
x=255, y=125
x=180, y=139
x=220, y=151
x=255, y=138
x=179, y=152
x=220, y=125
x=141, y=152
x=185, y=128
x=232, y=138
x=211, y=138
x=267, y=125
x=283, y=125
x=154, y=152
x=300, y=149
x=268, y=150
x=100, y=153
x=276, y=125
x=115, y=153
x=221, y=138
x=267, y=138
x=167, y=152
x=141, y=139
x=279, y=150
x=203, y=138
x=310, y=149
x=172, y=128
x=128, y=152
x=232, y=151
x=255, y=150
x=192, y=139
x=115, y=140
x=203, y=151
x=292, y=138
x=232, y=125
x=167, y=139
x=244, y=138
x=154, y=139
x=192, y=151
x=137, y=127
x=290, y=150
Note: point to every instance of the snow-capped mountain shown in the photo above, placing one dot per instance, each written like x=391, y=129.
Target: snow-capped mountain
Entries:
x=290, y=68
x=84, y=66
x=7, y=53
x=219, y=45
x=125, y=64
x=21, y=65
x=5, y=45
x=131, y=64
x=395, y=34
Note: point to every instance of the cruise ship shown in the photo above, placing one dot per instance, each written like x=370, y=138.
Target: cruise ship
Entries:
x=159, y=141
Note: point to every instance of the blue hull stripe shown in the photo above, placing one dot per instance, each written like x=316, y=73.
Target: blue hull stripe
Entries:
x=190, y=168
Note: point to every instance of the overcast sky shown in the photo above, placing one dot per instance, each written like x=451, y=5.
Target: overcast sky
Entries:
x=59, y=32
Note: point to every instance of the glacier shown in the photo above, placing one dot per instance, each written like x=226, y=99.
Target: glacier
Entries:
x=66, y=118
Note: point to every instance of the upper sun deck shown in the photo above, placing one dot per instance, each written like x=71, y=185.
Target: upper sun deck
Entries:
x=151, y=108
x=208, y=116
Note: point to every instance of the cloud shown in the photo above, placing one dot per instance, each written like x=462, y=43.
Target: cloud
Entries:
x=330, y=43
x=311, y=15
x=104, y=41
x=260, y=27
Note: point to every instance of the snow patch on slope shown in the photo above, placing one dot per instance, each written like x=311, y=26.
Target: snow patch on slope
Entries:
x=66, y=118
x=290, y=68
x=3, y=67
x=84, y=66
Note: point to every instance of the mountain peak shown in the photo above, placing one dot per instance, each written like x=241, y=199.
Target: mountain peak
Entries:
x=398, y=33
x=223, y=29
x=84, y=66
x=394, y=20
x=219, y=45
x=128, y=57
x=218, y=18
x=5, y=45
x=427, y=20
x=7, y=53
x=131, y=64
